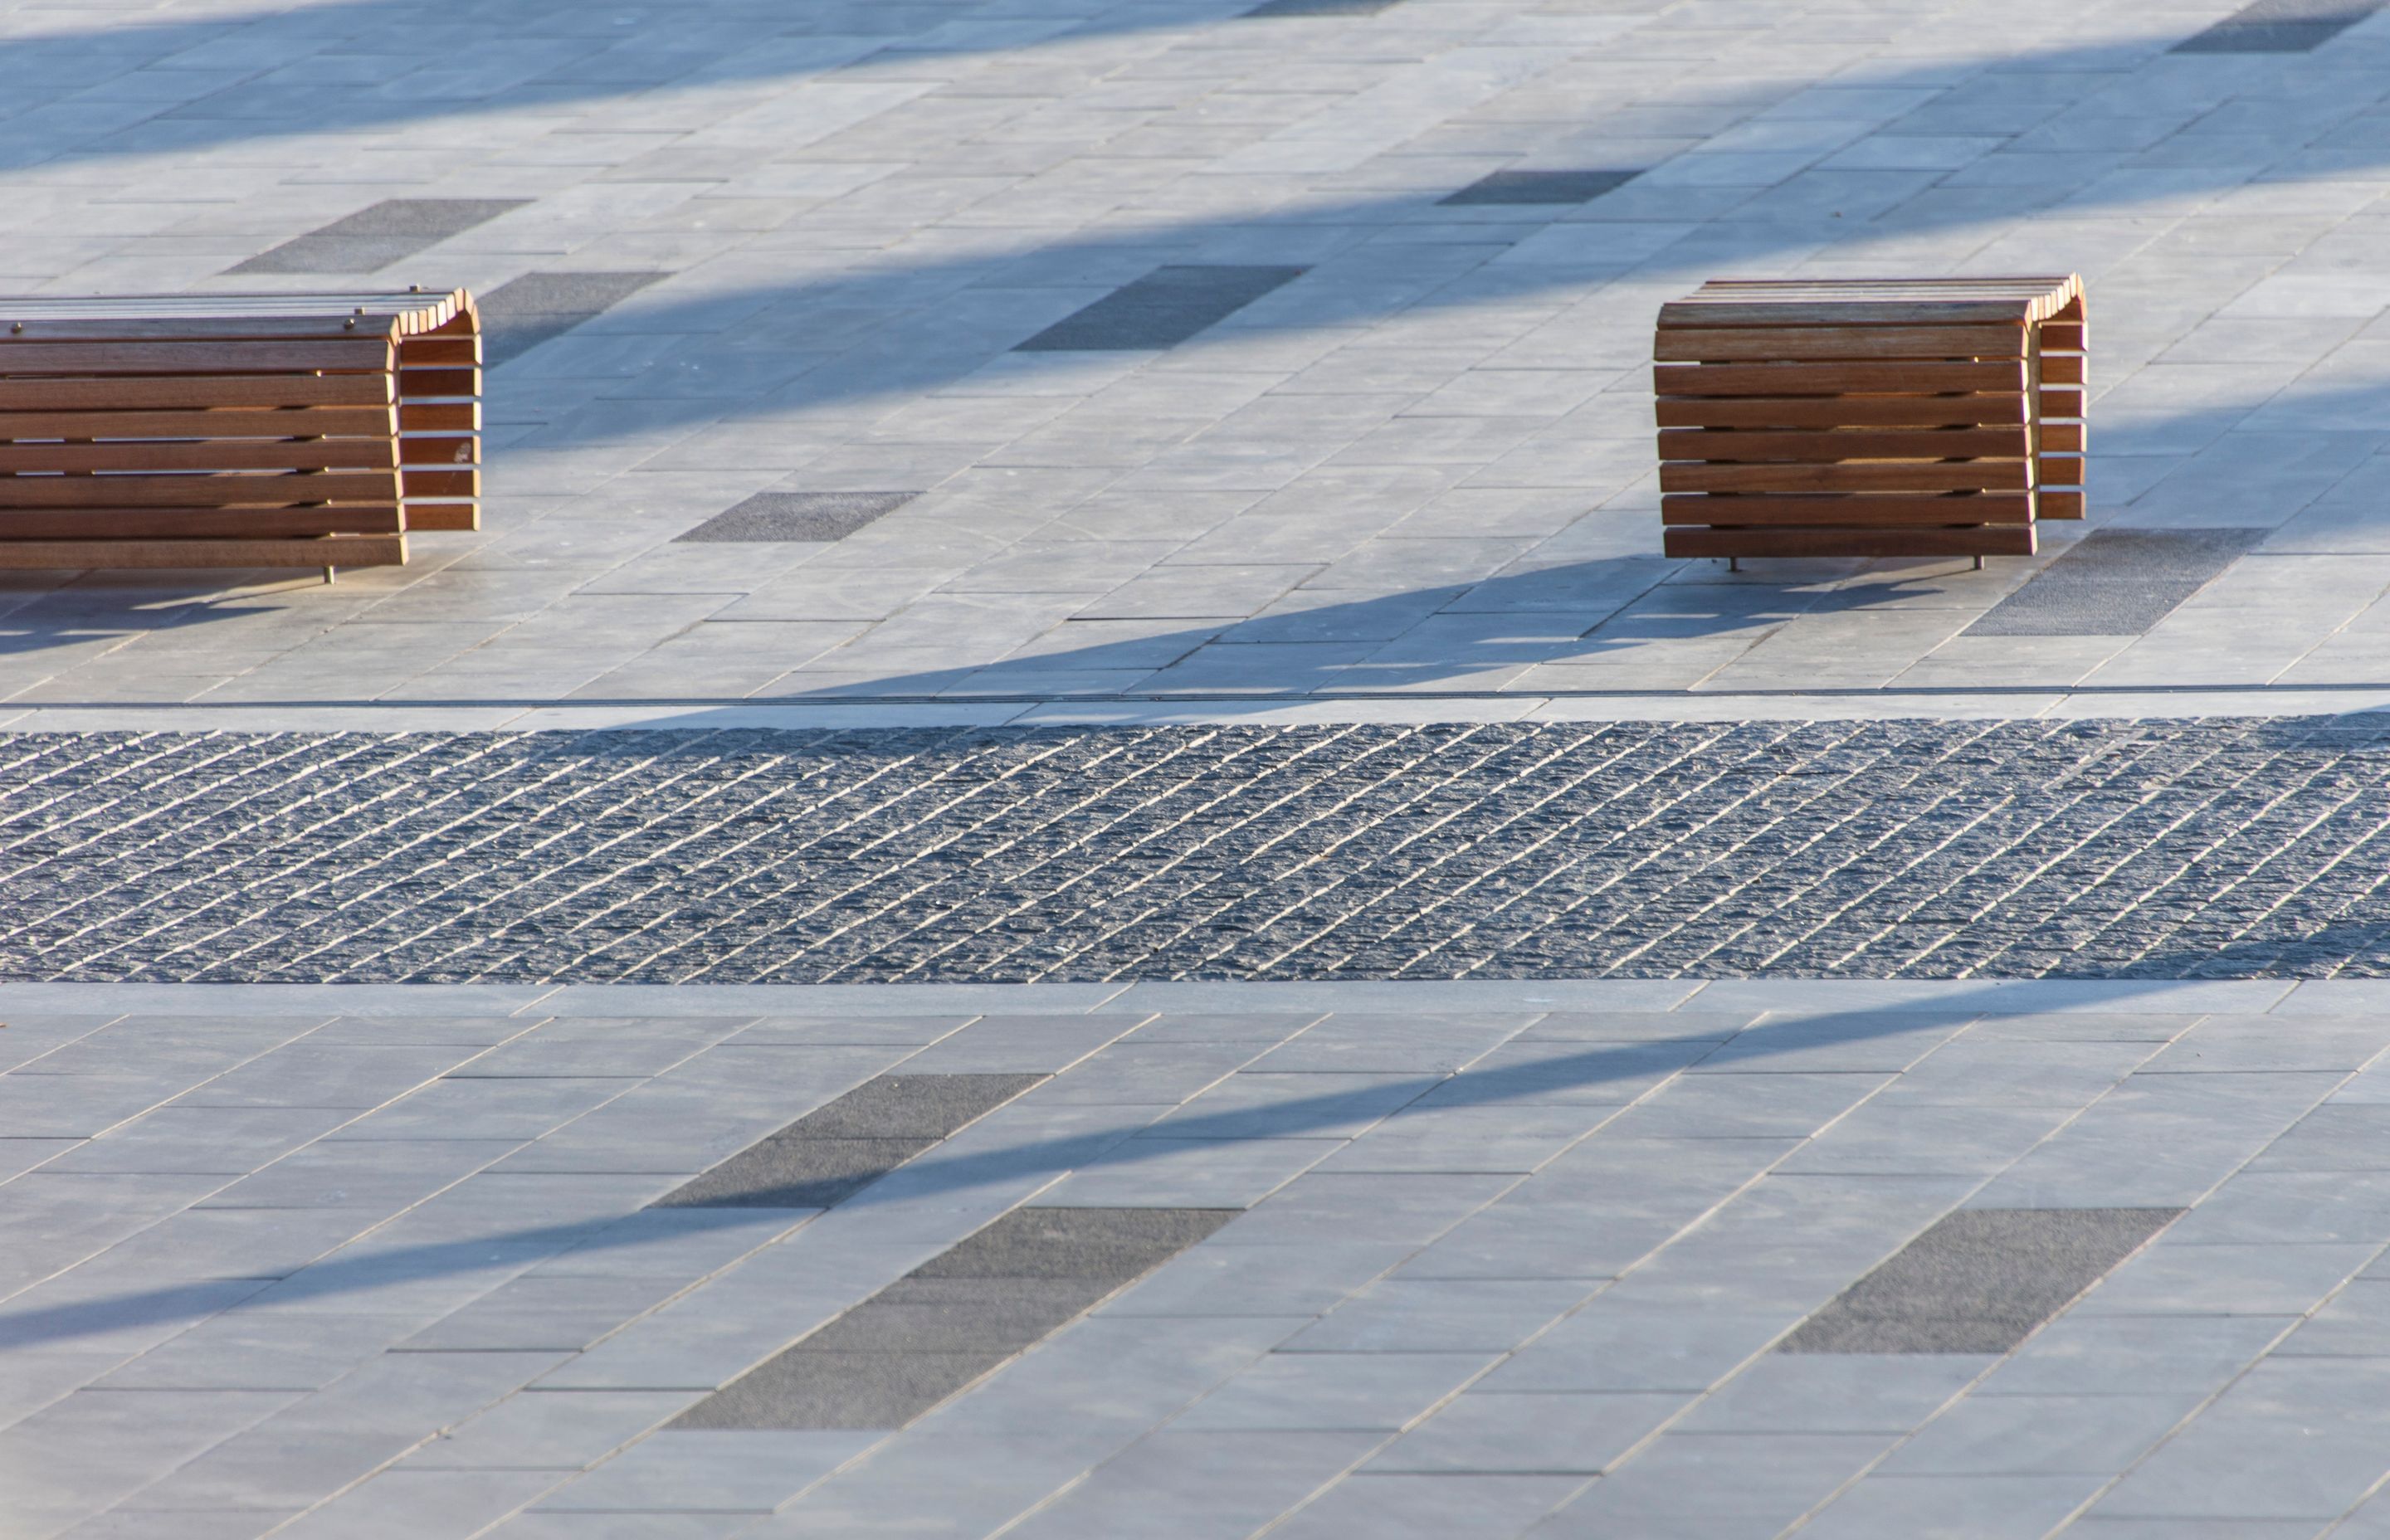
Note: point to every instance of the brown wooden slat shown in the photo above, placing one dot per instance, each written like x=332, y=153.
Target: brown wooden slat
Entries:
x=194, y=523
x=1840, y=411
x=2061, y=438
x=419, y=482
x=2057, y=503
x=19, y=358
x=2059, y=471
x=2062, y=401
x=1701, y=444
x=1738, y=344
x=1903, y=476
x=336, y=550
x=418, y=353
x=415, y=384
x=170, y=492
x=1835, y=379
x=329, y=422
x=441, y=450
x=188, y=392
x=442, y=516
x=2064, y=368
x=1991, y=508
x=439, y=417
x=1976, y=310
x=2062, y=336
x=327, y=327
x=214, y=454
x=1985, y=540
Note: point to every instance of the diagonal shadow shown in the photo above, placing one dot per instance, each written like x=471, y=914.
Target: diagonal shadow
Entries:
x=285, y=72
x=934, y=1175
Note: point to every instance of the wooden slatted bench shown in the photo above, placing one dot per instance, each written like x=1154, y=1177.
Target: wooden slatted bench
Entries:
x=1873, y=418
x=236, y=430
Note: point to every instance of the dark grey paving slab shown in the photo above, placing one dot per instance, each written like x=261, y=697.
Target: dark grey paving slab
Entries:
x=835, y=1150
x=373, y=238
x=1161, y=310
x=2116, y=583
x=1978, y=1281
x=908, y=1347
x=799, y=1389
x=520, y=314
x=2112, y=851
x=2279, y=27
x=773, y=518
x=1075, y=1243
x=1540, y=186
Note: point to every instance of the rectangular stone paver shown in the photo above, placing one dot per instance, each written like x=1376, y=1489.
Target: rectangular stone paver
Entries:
x=1282, y=1360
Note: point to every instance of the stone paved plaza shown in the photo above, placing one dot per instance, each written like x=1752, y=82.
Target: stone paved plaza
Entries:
x=1063, y=866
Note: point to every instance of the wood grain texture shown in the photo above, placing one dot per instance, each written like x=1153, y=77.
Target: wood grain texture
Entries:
x=1984, y=540
x=245, y=430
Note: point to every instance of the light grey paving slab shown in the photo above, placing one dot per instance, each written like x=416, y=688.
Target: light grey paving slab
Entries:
x=1406, y=1505
x=738, y=1471
x=1992, y=1506
x=374, y=238
x=1548, y=1432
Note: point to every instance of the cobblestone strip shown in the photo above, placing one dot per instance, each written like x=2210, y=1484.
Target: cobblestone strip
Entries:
x=1904, y=849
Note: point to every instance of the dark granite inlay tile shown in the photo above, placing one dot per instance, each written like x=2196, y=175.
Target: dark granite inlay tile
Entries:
x=1320, y=7
x=802, y=1390
x=837, y=1150
x=2116, y=583
x=1541, y=186
x=1075, y=1244
x=779, y=517
x=2279, y=27
x=1978, y=1281
x=954, y=1319
x=538, y=307
x=1161, y=310
x=373, y=238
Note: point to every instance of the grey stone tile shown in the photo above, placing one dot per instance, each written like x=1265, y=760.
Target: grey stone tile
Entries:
x=776, y=517
x=958, y=1315
x=1321, y=1391
x=839, y=1149
x=2295, y=1438
x=2116, y=583
x=1320, y=7
x=1718, y=1483
x=1075, y=1244
x=1538, y=1432
x=1163, y=309
x=750, y=1471
x=1406, y=1507
x=402, y=1502
x=1439, y=1315
x=376, y=236
x=819, y=1391
x=549, y=1430
x=2091, y=1354
x=1978, y=1281
x=1210, y=1481
x=523, y=312
x=2255, y=1279
x=2277, y=27
x=1785, y=1392
x=2041, y=1435
x=1990, y=1507
x=1539, y=186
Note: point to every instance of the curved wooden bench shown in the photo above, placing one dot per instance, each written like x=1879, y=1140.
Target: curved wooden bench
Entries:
x=236, y=430
x=1937, y=417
